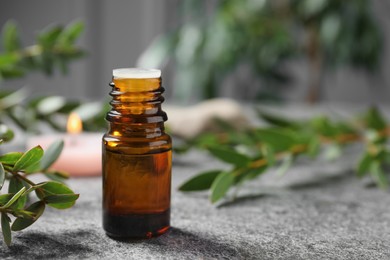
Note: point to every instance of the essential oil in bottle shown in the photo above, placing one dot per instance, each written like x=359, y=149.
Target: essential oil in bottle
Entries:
x=137, y=157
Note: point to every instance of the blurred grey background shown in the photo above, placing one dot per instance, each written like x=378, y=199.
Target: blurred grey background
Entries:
x=118, y=31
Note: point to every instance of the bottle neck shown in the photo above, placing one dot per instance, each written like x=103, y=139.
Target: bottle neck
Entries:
x=136, y=107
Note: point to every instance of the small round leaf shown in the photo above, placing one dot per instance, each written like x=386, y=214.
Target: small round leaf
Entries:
x=50, y=188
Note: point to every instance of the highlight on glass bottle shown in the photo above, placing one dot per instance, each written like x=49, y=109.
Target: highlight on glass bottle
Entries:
x=136, y=157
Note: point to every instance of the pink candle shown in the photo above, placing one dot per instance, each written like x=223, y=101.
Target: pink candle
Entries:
x=81, y=155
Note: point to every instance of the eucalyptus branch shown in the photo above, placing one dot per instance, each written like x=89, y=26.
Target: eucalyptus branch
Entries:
x=17, y=167
x=252, y=152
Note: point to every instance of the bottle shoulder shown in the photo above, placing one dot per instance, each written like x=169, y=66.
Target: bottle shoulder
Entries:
x=109, y=137
x=137, y=145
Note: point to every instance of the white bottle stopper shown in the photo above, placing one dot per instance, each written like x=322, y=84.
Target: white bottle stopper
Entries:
x=136, y=73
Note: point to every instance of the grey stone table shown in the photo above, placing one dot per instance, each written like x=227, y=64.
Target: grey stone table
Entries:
x=319, y=210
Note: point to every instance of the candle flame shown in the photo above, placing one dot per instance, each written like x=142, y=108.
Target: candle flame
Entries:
x=74, y=125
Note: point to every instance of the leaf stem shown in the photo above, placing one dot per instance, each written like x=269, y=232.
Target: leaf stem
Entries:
x=24, y=178
x=342, y=139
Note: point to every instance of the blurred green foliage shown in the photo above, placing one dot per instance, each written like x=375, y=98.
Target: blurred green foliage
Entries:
x=30, y=113
x=257, y=150
x=217, y=37
x=55, y=48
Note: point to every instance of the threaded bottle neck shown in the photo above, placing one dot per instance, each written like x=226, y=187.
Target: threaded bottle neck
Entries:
x=136, y=101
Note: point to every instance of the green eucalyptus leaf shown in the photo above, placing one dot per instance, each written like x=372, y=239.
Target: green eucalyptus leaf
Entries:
x=205, y=140
x=15, y=185
x=6, y=134
x=202, y=181
x=88, y=111
x=69, y=106
x=229, y=156
x=276, y=120
x=49, y=37
x=277, y=139
x=324, y=126
x=23, y=118
x=269, y=155
x=4, y=198
x=314, y=147
x=36, y=209
x=29, y=158
x=249, y=174
x=364, y=164
x=54, y=177
x=33, y=102
x=50, y=105
x=7, y=60
x=11, y=41
x=14, y=98
x=61, y=198
x=15, y=198
x=35, y=167
x=58, y=176
x=345, y=128
x=71, y=33
x=54, y=188
x=242, y=138
x=6, y=228
x=221, y=185
x=374, y=119
x=61, y=174
x=12, y=72
x=2, y=176
x=378, y=175
x=10, y=158
x=20, y=213
x=51, y=154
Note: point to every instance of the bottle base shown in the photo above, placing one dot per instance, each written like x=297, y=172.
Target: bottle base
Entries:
x=136, y=226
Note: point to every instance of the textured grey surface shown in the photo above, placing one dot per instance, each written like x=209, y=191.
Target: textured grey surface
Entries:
x=317, y=211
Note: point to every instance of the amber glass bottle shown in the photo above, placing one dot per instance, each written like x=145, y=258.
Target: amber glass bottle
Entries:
x=136, y=157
